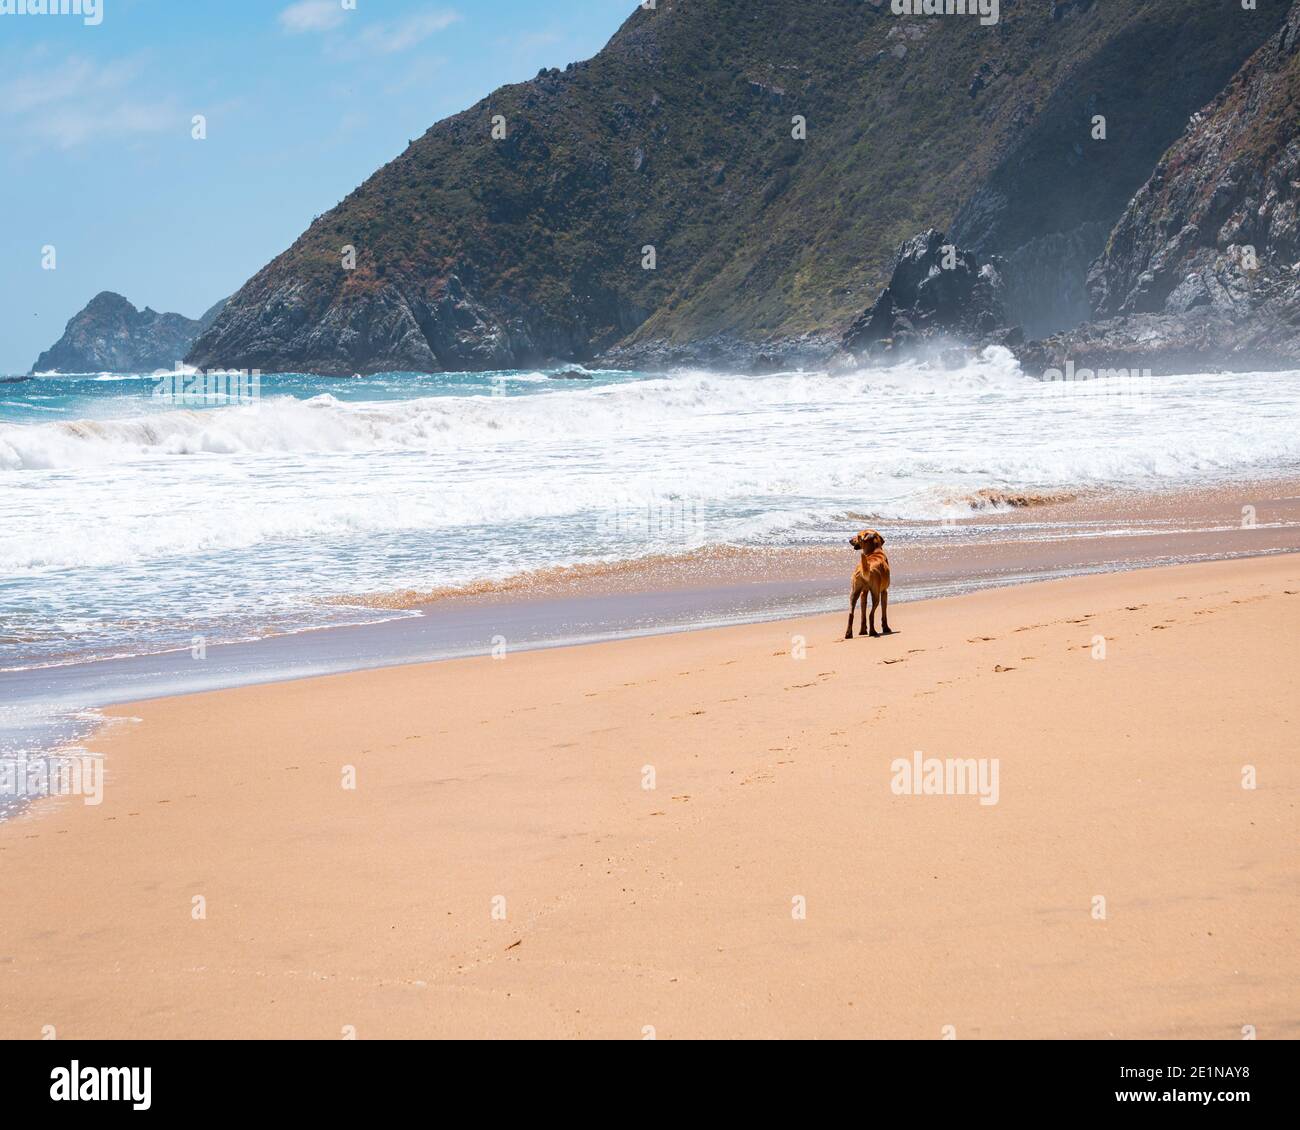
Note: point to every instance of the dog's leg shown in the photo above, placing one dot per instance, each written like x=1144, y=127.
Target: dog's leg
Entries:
x=853, y=601
x=862, y=628
x=875, y=599
x=885, y=629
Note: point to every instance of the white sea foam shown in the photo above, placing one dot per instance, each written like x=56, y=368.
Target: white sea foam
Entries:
x=969, y=415
x=247, y=513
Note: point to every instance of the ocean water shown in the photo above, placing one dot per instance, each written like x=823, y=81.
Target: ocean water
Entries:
x=131, y=524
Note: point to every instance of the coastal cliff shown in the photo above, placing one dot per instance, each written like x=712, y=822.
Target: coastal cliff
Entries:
x=729, y=178
x=1203, y=268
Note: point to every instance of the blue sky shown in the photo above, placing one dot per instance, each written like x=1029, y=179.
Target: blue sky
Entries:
x=303, y=99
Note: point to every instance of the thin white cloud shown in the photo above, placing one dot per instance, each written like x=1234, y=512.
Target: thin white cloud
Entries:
x=74, y=78
x=312, y=15
x=374, y=38
x=77, y=101
x=401, y=35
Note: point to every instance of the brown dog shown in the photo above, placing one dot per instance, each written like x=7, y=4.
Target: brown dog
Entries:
x=871, y=576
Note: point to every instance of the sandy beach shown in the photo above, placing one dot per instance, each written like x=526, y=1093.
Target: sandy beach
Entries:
x=501, y=869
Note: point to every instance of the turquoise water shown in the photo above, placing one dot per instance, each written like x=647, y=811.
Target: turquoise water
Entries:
x=109, y=396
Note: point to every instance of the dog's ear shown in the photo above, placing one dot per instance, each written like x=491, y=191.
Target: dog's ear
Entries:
x=880, y=540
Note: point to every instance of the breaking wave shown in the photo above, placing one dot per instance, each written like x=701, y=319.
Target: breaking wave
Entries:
x=324, y=423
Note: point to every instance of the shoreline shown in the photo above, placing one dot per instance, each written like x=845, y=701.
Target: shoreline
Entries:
x=671, y=907
x=1099, y=532
x=1068, y=535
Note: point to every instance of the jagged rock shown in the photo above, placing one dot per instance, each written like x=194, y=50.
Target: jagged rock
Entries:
x=211, y=314
x=938, y=295
x=1201, y=340
x=725, y=353
x=1203, y=268
x=399, y=326
x=111, y=336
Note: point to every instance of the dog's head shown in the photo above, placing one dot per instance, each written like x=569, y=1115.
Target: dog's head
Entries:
x=867, y=541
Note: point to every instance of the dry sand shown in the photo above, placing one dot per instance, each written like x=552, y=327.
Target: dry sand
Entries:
x=672, y=908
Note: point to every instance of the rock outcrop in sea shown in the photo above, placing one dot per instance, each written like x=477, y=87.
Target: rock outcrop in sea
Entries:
x=111, y=336
x=939, y=297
